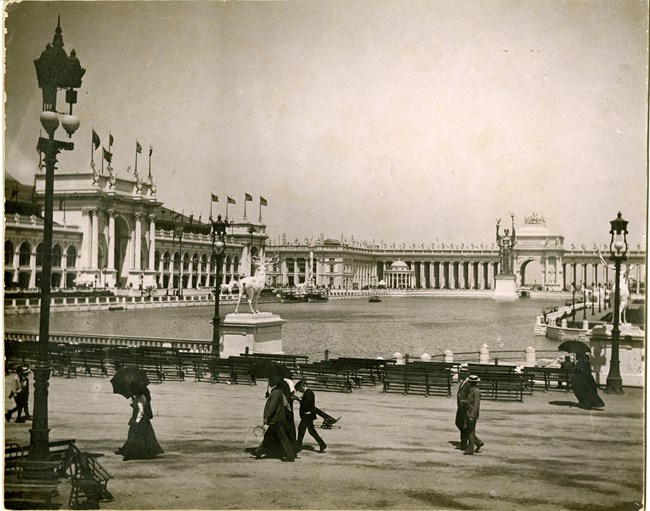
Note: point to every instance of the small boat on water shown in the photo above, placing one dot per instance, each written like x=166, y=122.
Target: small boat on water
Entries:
x=374, y=299
x=292, y=297
x=318, y=296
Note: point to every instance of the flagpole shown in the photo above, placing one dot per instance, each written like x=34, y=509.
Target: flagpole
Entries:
x=136, y=158
x=260, y=210
x=92, y=147
x=227, y=202
x=150, y=151
x=244, y=207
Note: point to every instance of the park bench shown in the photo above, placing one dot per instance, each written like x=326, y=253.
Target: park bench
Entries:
x=418, y=379
x=328, y=378
x=364, y=371
x=545, y=376
x=293, y=362
x=220, y=370
x=88, y=480
x=85, y=360
x=60, y=452
x=17, y=485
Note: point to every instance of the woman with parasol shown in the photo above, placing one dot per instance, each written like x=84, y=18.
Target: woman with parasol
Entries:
x=141, y=442
x=583, y=383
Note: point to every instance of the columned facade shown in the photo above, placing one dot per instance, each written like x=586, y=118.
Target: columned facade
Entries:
x=113, y=234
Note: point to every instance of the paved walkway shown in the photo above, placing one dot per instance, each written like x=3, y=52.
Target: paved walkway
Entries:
x=391, y=451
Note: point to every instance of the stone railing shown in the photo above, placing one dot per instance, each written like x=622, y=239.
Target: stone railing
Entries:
x=191, y=345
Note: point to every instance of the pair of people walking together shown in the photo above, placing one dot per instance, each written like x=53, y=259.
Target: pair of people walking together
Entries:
x=280, y=436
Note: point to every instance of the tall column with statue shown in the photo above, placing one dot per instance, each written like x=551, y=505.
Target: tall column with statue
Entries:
x=506, y=281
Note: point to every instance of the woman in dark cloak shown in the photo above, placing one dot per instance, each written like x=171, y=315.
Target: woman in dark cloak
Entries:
x=141, y=443
x=584, y=385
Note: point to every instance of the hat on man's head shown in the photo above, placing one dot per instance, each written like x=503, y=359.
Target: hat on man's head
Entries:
x=22, y=369
x=474, y=378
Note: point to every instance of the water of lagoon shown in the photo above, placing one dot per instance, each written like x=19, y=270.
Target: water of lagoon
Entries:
x=347, y=328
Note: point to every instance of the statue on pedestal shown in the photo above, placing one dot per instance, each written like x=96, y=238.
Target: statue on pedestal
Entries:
x=506, y=244
x=251, y=287
x=624, y=289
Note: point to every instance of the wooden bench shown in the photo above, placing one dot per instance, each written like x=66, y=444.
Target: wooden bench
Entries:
x=409, y=379
x=502, y=386
x=548, y=375
x=61, y=451
x=91, y=362
x=18, y=489
x=326, y=378
x=88, y=480
x=293, y=362
x=500, y=382
x=364, y=371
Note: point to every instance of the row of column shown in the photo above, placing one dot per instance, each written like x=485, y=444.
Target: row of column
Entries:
x=444, y=275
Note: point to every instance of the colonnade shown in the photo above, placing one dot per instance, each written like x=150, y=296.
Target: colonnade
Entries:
x=441, y=275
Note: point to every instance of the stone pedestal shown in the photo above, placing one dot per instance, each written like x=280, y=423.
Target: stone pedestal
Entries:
x=631, y=351
x=505, y=289
x=260, y=333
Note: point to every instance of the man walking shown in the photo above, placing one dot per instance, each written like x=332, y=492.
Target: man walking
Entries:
x=20, y=393
x=461, y=405
x=472, y=414
x=308, y=415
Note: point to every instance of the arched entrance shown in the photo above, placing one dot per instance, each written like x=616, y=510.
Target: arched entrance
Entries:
x=532, y=274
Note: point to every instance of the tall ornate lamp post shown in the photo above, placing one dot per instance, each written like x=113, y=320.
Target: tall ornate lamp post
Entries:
x=218, y=248
x=573, y=300
x=618, y=251
x=54, y=70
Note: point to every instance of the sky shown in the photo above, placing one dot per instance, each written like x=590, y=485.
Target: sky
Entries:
x=394, y=121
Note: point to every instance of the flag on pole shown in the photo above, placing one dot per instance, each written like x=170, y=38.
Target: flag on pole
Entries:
x=248, y=197
x=96, y=141
x=110, y=140
x=107, y=156
x=262, y=203
x=231, y=200
x=150, y=150
x=214, y=197
x=138, y=147
x=61, y=203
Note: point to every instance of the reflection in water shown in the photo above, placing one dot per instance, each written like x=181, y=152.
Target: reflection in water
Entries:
x=353, y=328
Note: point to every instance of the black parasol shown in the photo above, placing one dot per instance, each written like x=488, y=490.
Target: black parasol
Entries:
x=129, y=380
x=574, y=347
x=267, y=369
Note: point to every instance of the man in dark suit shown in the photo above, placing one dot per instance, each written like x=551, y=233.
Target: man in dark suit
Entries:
x=308, y=415
x=461, y=405
x=472, y=413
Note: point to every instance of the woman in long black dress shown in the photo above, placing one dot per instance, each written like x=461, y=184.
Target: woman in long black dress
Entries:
x=141, y=443
x=584, y=385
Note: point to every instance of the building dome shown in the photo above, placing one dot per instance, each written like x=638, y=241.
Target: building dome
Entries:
x=399, y=265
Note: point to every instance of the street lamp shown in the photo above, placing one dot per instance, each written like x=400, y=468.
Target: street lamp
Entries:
x=573, y=301
x=584, y=301
x=218, y=248
x=54, y=70
x=618, y=251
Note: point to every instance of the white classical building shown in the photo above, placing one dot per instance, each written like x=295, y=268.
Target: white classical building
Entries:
x=114, y=232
